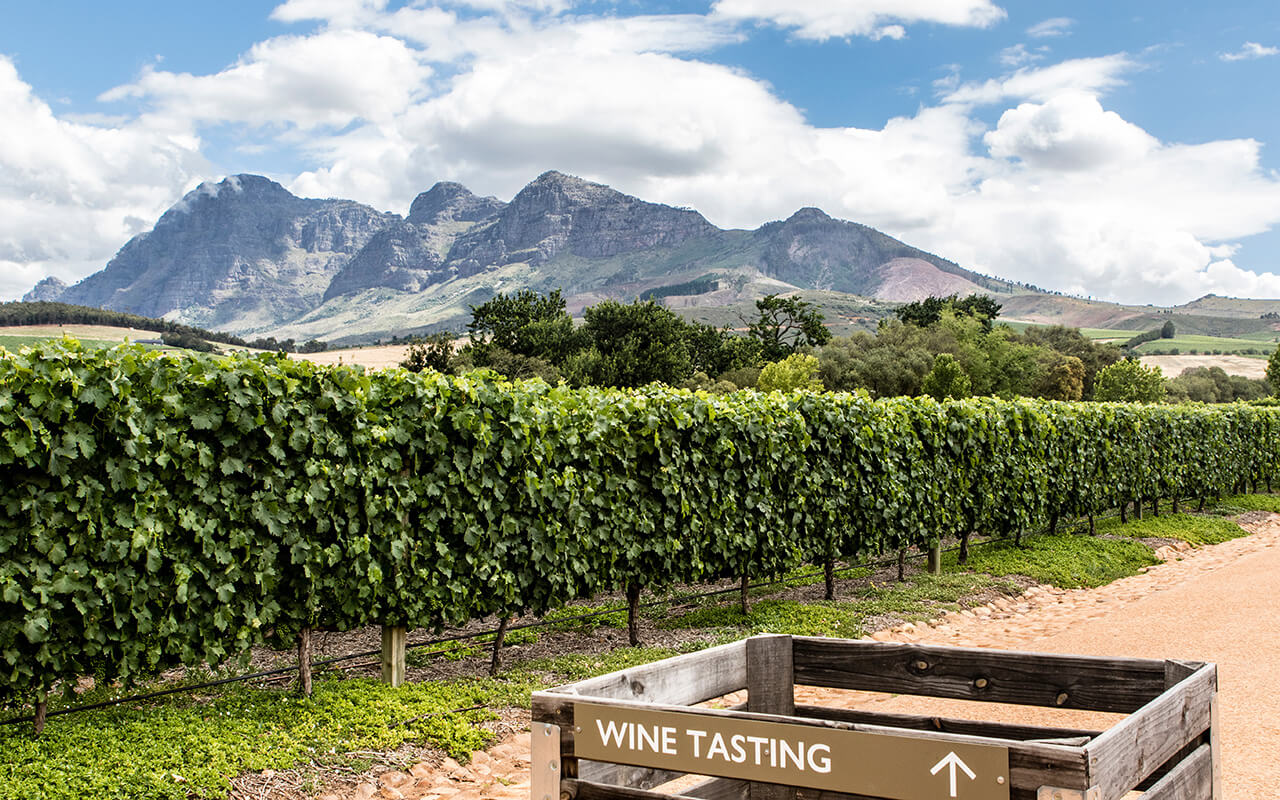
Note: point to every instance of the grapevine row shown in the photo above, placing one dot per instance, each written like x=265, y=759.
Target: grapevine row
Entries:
x=157, y=510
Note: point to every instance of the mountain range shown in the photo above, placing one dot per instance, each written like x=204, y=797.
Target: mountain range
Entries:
x=246, y=256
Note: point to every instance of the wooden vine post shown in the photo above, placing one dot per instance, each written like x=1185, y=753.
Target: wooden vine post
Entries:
x=304, y=661
x=393, y=659
x=622, y=735
x=935, y=558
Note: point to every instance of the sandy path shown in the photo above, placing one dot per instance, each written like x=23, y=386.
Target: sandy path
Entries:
x=1218, y=604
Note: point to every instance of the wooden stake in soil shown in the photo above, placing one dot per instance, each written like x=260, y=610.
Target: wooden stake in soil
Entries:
x=633, y=614
x=935, y=558
x=902, y=565
x=829, y=574
x=42, y=711
x=304, y=661
x=393, y=659
x=742, y=597
x=495, y=663
x=1093, y=528
x=1137, y=508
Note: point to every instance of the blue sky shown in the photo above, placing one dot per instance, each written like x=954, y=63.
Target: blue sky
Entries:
x=1124, y=150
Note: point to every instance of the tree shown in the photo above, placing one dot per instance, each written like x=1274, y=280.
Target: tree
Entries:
x=786, y=323
x=796, y=371
x=716, y=351
x=1129, y=382
x=947, y=379
x=1070, y=342
x=524, y=323
x=1167, y=330
x=1273, y=370
x=928, y=311
x=1061, y=379
x=433, y=352
x=630, y=345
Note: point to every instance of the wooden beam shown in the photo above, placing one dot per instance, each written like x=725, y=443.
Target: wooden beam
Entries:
x=683, y=680
x=1190, y=780
x=1120, y=685
x=1132, y=749
x=770, y=690
x=718, y=789
x=995, y=730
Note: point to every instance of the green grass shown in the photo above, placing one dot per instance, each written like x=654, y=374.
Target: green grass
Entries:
x=184, y=746
x=18, y=342
x=920, y=597
x=1191, y=528
x=1248, y=502
x=1064, y=560
x=1185, y=344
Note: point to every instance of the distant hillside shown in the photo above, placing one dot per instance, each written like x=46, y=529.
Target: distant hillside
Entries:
x=247, y=256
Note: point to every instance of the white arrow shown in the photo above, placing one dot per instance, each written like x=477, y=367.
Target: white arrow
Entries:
x=954, y=761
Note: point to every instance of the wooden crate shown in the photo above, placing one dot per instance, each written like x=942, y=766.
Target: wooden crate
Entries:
x=1165, y=748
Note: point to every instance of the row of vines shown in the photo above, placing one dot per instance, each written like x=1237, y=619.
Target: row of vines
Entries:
x=157, y=510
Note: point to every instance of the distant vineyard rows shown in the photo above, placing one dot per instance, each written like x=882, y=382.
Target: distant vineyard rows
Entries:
x=157, y=510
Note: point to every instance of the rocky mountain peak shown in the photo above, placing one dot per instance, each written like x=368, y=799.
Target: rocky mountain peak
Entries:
x=810, y=214
x=46, y=291
x=451, y=202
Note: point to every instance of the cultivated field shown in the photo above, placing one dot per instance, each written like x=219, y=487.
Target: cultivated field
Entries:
x=1173, y=366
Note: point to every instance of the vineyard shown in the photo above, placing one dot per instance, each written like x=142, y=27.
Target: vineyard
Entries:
x=157, y=511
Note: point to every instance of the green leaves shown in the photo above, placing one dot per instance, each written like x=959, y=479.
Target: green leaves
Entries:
x=158, y=510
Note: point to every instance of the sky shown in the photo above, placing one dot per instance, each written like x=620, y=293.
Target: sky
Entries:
x=1127, y=150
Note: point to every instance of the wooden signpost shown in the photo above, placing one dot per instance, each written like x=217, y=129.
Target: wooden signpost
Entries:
x=624, y=734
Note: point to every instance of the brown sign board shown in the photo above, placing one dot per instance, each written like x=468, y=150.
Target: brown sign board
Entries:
x=900, y=767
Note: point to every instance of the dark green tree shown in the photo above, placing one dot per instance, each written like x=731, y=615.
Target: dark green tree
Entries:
x=630, y=345
x=787, y=323
x=524, y=323
x=433, y=352
x=1167, y=330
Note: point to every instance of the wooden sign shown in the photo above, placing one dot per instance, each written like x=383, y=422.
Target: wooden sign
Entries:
x=900, y=767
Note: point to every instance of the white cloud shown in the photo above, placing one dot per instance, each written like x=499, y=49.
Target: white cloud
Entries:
x=1019, y=56
x=328, y=79
x=826, y=19
x=1061, y=192
x=1069, y=132
x=1054, y=26
x=1094, y=75
x=72, y=192
x=1248, y=51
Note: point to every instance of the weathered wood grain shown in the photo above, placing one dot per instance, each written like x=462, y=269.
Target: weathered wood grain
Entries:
x=770, y=690
x=1192, y=779
x=1129, y=751
x=1095, y=684
x=968, y=727
x=393, y=663
x=683, y=680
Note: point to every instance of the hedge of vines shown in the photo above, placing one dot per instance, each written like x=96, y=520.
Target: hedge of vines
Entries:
x=159, y=510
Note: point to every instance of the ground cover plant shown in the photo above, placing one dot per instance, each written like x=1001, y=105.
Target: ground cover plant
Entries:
x=194, y=745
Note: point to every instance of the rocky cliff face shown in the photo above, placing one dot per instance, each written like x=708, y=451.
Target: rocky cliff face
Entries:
x=235, y=254
x=48, y=290
x=246, y=256
x=409, y=255
x=559, y=214
x=816, y=251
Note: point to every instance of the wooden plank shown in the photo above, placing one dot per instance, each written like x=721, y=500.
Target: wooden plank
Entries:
x=919, y=722
x=1190, y=780
x=1132, y=749
x=393, y=640
x=1215, y=744
x=770, y=690
x=545, y=767
x=1118, y=685
x=1176, y=671
x=1031, y=764
x=623, y=774
x=718, y=789
x=683, y=680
